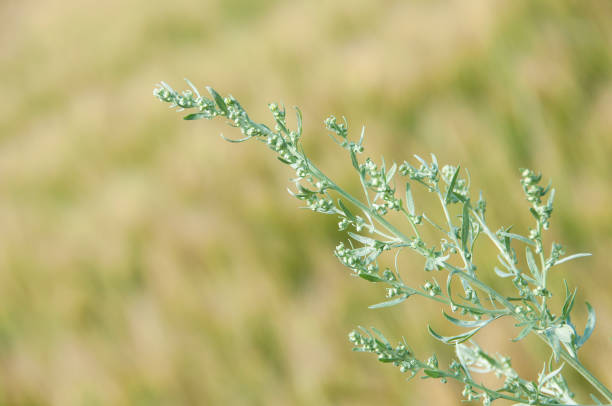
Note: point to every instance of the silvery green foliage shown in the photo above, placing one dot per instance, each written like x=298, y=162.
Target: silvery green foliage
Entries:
x=523, y=260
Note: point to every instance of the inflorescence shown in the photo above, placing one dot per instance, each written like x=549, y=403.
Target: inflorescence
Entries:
x=371, y=234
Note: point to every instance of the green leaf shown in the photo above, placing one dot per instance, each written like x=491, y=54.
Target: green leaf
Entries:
x=391, y=172
x=362, y=239
x=298, y=114
x=192, y=86
x=432, y=373
x=409, y=200
x=354, y=160
x=545, y=378
x=390, y=303
x=243, y=140
x=458, y=338
x=517, y=237
x=362, y=252
x=507, y=245
x=195, y=116
x=524, y=332
x=421, y=160
x=451, y=186
x=590, y=326
x=370, y=277
x=381, y=336
x=466, y=323
x=574, y=256
x=532, y=265
x=569, y=302
x=465, y=226
x=218, y=99
x=501, y=273
x=346, y=211
x=554, y=341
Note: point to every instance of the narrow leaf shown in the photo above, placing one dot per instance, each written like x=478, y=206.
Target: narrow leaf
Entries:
x=346, y=211
x=298, y=114
x=466, y=323
x=574, y=256
x=532, y=265
x=389, y=303
x=590, y=326
x=243, y=140
x=409, y=200
x=434, y=160
x=523, y=333
x=465, y=226
x=569, y=302
x=501, y=273
x=502, y=261
x=549, y=376
x=195, y=116
x=195, y=90
x=421, y=160
x=362, y=252
x=354, y=160
x=554, y=341
x=455, y=339
x=218, y=99
x=370, y=277
x=451, y=186
x=391, y=172
x=517, y=237
x=362, y=239
x=380, y=335
x=432, y=373
x=362, y=135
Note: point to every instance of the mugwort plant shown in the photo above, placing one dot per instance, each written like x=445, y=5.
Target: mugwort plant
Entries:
x=522, y=259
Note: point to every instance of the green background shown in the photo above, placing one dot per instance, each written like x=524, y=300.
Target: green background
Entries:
x=144, y=261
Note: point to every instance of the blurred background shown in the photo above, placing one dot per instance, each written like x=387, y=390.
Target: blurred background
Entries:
x=144, y=261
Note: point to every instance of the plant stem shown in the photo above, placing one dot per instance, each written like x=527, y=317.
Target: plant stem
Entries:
x=577, y=365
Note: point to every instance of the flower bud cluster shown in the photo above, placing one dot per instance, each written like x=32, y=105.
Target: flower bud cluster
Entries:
x=399, y=355
x=340, y=129
x=427, y=174
x=555, y=253
x=434, y=259
x=240, y=119
x=540, y=291
x=529, y=181
x=541, y=211
x=355, y=259
x=521, y=285
x=378, y=181
x=432, y=289
x=186, y=100
x=315, y=200
x=358, y=222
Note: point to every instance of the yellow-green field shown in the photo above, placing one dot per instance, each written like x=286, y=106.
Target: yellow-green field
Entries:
x=144, y=261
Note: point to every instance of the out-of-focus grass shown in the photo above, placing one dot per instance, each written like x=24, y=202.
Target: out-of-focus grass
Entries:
x=145, y=261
